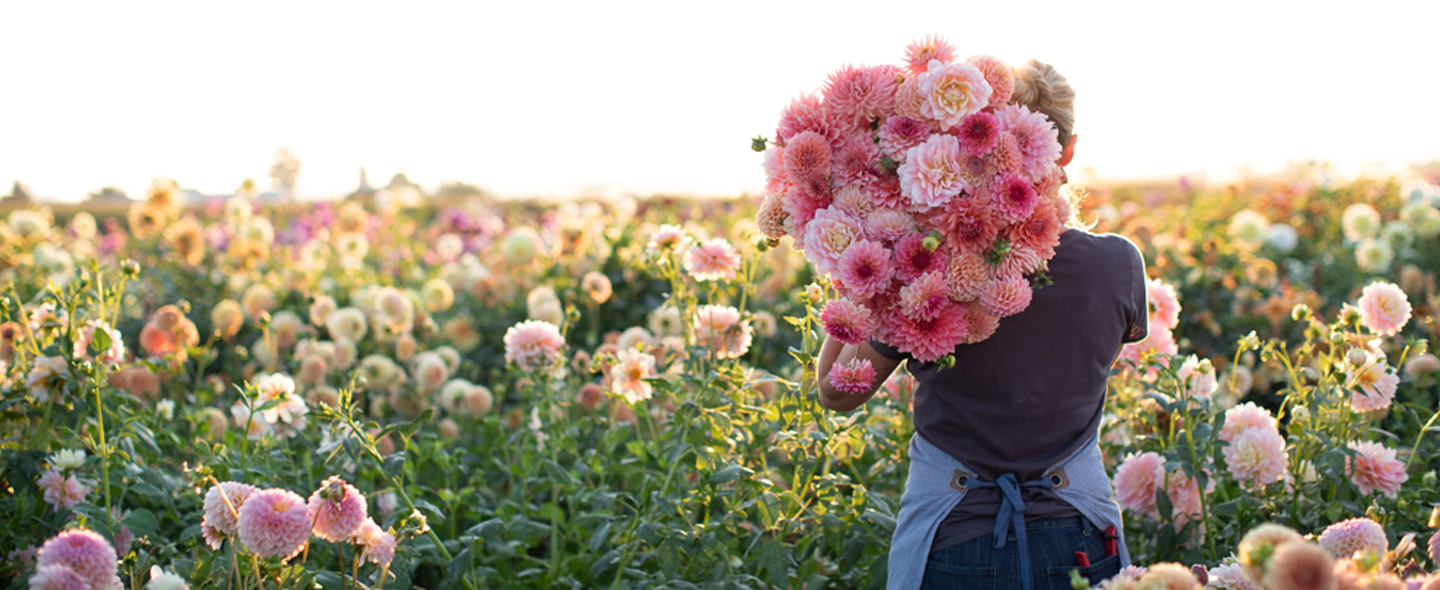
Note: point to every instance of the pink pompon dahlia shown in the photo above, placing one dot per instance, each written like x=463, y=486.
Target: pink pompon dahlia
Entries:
x=952, y=91
x=1019, y=262
x=799, y=212
x=854, y=201
x=1005, y=296
x=857, y=162
x=899, y=134
x=966, y=275
x=1375, y=468
x=274, y=524
x=807, y=157
x=928, y=340
x=1244, y=417
x=978, y=133
x=1299, y=566
x=1257, y=457
x=774, y=164
x=805, y=113
x=1164, y=304
x=1040, y=231
x=221, y=519
x=58, y=577
x=919, y=54
x=770, y=219
x=532, y=344
x=969, y=225
x=913, y=260
x=980, y=326
x=866, y=269
x=1136, y=481
x=855, y=377
x=378, y=546
x=888, y=225
x=84, y=552
x=713, y=260
x=1006, y=157
x=1037, y=137
x=925, y=297
x=1372, y=383
x=856, y=96
x=931, y=176
x=1347, y=537
x=1384, y=308
x=1013, y=198
x=998, y=75
x=847, y=321
x=337, y=509
x=829, y=235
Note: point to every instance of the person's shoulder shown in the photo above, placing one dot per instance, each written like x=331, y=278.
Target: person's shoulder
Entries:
x=1110, y=247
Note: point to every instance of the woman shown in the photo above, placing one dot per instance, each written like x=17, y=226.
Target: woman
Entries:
x=1006, y=486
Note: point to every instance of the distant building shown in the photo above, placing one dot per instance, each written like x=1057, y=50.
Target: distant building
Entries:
x=365, y=194
x=108, y=196
x=19, y=196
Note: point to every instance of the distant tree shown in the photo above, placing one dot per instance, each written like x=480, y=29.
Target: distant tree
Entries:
x=456, y=189
x=285, y=171
x=109, y=193
x=19, y=192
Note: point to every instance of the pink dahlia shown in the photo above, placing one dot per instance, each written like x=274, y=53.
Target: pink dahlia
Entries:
x=337, y=509
x=899, y=134
x=857, y=96
x=1004, y=297
x=926, y=296
x=853, y=201
x=274, y=524
x=774, y=163
x=220, y=519
x=1257, y=457
x=857, y=163
x=1372, y=383
x=1434, y=547
x=888, y=225
x=930, y=176
x=108, y=355
x=1041, y=231
x=1006, y=156
x=1038, y=139
x=1136, y=481
x=532, y=344
x=84, y=552
x=807, y=157
x=918, y=54
x=978, y=133
x=1229, y=576
x=1185, y=496
x=928, y=340
x=952, y=92
x=1244, y=417
x=1347, y=537
x=1197, y=379
x=1299, y=566
x=720, y=329
x=1020, y=261
x=1013, y=198
x=1164, y=304
x=847, y=321
x=1375, y=468
x=1384, y=308
x=799, y=212
x=828, y=236
x=968, y=224
x=61, y=491
x=966, y=275
x=865, y=268
x=855, y=377
x=1168, y=576
x=58, y=577
x=980, y=326
x=713, y=260
x=805, y=113
x=378, y=546
x=770, y=219
x=998, y=75
x=908, y=100
x=913, y=260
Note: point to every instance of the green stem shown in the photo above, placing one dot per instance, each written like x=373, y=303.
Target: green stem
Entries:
x=104, y=451
x=1418, y=437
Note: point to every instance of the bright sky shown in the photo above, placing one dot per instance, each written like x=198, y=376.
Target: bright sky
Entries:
x=558, y=98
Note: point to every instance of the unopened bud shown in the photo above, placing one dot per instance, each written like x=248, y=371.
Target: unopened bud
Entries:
x=1356, y=357
x=1434, y=518
x=947, y=361
x=1250, y=341
x=758, y=143
x=1301, y=313
x=930, y=243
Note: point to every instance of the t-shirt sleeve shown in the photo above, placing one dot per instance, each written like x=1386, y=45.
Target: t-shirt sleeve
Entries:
x=1137, y=306
x=887, y=351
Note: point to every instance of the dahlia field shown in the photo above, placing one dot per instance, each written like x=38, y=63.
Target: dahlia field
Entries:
x=621, y=394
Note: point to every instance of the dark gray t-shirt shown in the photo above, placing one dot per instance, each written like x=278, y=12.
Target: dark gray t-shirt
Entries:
x=1033, y=392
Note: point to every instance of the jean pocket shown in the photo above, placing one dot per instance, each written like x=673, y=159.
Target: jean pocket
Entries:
x=1097, y=572
x=944, y=576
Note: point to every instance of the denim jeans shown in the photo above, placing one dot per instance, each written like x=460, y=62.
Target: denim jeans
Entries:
x=976, y=564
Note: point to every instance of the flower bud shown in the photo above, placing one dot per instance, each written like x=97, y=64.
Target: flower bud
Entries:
x=130, y=268
x=930, y=243
x=758, y=143
x=1356, y=357
x=947, y=361
x=1250, y=341
x=1300, y=313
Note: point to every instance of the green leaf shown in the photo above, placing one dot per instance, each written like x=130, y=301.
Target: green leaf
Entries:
x=142, y=522
x=601, y=535
x=730, y=473
x=394, y=465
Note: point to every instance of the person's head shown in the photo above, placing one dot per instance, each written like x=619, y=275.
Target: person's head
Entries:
x=1042, y=89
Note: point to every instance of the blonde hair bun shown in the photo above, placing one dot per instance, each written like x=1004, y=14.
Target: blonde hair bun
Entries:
x=1042, y=89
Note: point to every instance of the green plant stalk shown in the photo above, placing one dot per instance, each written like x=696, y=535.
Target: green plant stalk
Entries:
x=1418, y=437
x=104, y=455
x=1204, y=508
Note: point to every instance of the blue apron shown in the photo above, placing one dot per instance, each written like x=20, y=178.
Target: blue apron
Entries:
x=938, y=481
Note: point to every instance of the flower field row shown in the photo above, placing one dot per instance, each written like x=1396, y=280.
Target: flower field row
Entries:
x=621, y=394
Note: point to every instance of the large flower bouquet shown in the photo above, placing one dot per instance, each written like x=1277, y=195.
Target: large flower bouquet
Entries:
x=930, y=200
